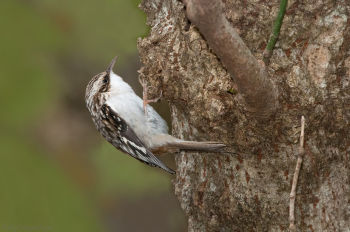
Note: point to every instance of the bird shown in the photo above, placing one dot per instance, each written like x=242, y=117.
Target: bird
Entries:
x=130, y=124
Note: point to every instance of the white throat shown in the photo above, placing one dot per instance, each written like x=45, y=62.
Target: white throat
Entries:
x=118, y=85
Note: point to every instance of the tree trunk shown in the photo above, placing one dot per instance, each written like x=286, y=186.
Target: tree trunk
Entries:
x=247, y=189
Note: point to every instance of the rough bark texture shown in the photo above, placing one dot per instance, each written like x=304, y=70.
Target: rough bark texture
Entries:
x=254, y=85
x=248, y=190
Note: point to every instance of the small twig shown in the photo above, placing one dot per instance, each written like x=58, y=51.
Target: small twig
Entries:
x=275, y=31
x=295, y=178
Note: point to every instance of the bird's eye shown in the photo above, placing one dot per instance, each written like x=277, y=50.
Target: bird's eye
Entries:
x=105, y=79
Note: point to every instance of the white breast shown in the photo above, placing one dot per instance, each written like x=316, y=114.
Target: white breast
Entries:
x=123, y=100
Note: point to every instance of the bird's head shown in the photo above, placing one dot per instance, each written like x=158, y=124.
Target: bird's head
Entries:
x=100, y=83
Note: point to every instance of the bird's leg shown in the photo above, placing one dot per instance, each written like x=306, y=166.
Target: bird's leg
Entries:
x=146, y=101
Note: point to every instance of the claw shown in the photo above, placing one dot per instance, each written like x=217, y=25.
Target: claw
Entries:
x=144, y=95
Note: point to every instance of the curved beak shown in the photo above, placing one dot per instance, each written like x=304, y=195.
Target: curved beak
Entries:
x=111, y=65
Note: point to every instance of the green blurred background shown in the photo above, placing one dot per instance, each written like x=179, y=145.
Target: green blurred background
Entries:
x=56, y=172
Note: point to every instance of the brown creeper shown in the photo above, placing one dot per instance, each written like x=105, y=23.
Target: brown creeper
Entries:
x=119, y=115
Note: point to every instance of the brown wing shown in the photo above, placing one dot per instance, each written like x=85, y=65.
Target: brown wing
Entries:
x=127, y=141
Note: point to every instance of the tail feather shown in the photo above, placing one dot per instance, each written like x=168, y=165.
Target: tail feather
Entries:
x=199, y=146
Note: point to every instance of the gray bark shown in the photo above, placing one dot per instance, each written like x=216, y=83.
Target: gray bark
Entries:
x=248, y=189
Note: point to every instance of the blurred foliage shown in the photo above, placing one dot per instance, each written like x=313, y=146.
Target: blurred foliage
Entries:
x=24, y=37
x=38, y=189
x=97, y=29
x=35, y=196
x=133, y=177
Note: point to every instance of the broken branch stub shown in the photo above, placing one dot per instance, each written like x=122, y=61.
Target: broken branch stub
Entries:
x=258, y=91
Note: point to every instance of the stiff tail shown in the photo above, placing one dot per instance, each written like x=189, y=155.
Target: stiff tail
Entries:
x=199, y=146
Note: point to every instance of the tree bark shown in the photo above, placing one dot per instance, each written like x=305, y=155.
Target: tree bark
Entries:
x=248, y=189
x=254, y=85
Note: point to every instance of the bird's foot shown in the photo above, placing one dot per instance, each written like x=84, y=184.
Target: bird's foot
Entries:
x=146, y=101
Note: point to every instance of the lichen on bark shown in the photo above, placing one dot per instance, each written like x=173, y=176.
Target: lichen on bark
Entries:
x=248, y=190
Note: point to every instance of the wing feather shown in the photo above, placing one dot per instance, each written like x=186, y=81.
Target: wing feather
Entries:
x=127, y=141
